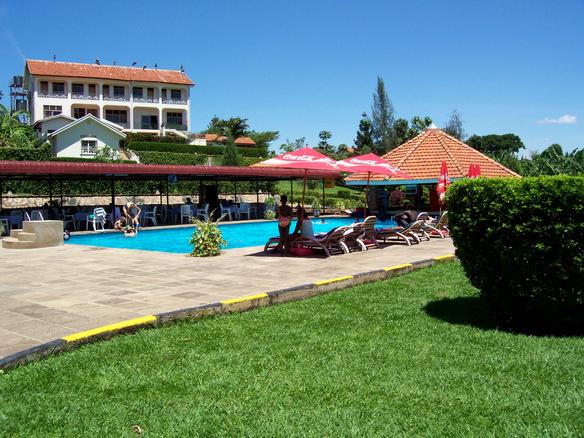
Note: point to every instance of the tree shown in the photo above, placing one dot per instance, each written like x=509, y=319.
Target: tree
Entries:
x=230, y=155
x=14, y=133
x=364, y=140
x=454, y=126
x=405, y=131
x=324, y=147
x=496, y=146
x=293, y=146
x=263, y=138
x=235, y=126
x=342, y=152
x=382, y=119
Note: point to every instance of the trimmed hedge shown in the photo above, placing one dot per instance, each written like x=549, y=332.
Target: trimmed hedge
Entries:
x=152, y=138
x=90, y=160
x=520, y=243
x=153, y=157
x=193, y=149
x=42, y=153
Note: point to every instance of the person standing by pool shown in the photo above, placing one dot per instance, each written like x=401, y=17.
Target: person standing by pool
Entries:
x=284, y=220
x=132, y=214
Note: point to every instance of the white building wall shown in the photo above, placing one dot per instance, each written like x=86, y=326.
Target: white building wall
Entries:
x=68, y=143
x=53, y=125
x=38, y=103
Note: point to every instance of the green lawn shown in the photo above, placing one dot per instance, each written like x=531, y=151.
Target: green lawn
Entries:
x=412, y=356
x=283, y=188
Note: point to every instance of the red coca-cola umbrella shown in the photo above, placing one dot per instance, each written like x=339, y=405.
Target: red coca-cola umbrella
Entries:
x=443, y=181
x=304, y=158
x=472, y=171
x=477, y=170
x=370, y=164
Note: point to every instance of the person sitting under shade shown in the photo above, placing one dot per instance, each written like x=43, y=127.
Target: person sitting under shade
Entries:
x=303, y=225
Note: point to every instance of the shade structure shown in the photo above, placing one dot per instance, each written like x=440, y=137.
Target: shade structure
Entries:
x=370, y=164
x=443, y=181
x=305, y=158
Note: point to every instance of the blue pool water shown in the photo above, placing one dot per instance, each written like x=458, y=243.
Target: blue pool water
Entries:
x=176, y=240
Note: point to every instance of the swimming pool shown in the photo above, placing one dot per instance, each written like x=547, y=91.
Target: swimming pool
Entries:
x=176, y=240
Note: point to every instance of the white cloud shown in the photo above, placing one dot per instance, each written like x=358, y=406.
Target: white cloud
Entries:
x=566, y=119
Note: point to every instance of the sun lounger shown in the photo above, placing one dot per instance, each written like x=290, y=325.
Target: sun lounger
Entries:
x=440, y=228
x=351, y=237
x=368, y=234
x=331, y=243
x=412, y=233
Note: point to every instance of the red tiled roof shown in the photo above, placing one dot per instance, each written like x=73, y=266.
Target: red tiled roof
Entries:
x=80, y=170
x=422, y=156
x=245, y=141
x=211, y=137
x=114, y=72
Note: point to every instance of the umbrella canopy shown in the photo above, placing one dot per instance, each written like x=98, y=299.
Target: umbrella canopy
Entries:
x=477, y=170
x=369, y=164
x=443, y=181
x=372, y=164
x=304, y=158
x=472, y=171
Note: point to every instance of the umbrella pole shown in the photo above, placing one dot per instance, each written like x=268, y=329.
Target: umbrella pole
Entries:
x=304, y=188
x=366, y=196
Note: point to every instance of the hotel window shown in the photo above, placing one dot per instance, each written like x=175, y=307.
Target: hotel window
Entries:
x=175, y=94
x=52, y=110
x=44, y=87
x=116, y=116
x=119, y=91
x=150, y=93
x=105, y=90
x=164, y=94
x=77, y=89
x=174, y=119
x=81, y=112
x=137, y=92
x=59, y=88
x=92, y=90
x=88, y=147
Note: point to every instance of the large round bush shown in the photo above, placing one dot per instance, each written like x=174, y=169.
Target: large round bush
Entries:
x=521, y=243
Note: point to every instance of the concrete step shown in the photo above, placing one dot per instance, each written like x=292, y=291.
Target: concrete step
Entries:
x=26, y=237
x=13, y=243
x=15, y=233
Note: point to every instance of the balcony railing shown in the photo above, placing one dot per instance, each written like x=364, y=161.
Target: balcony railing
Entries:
x=116, y=98
x=145, y=99
x=174, y=101
x=84, y=97
x=176, y=126
x=54, y=95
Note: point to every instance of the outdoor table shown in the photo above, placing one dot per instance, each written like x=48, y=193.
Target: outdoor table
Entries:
x=81, y=217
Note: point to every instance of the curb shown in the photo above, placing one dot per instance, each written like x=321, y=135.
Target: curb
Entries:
x=240, y=304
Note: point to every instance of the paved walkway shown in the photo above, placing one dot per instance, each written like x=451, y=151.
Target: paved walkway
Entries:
x=51, y=292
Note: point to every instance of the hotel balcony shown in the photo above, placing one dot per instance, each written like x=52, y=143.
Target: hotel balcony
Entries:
x=174, y=101
x=54, y=95
x=116, y=98
x=84, y=97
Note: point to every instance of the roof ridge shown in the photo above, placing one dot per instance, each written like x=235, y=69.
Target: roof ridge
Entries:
x=499, y=165
x=100, y=65
x=422, y=136
x=445, y=147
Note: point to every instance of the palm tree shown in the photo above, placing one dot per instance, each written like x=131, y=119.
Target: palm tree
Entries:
x=14, y=133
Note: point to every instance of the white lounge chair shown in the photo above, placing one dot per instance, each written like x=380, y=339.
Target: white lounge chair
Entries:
x=36, y=215
x=244, y=208
x=226, y=211
x=97, y=219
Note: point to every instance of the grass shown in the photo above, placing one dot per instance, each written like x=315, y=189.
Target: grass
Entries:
x=412, y=356
x=283, y=188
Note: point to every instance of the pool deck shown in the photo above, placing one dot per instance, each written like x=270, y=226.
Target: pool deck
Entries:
x=52, y=292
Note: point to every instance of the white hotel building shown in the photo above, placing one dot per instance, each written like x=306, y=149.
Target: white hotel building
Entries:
x=137, y=99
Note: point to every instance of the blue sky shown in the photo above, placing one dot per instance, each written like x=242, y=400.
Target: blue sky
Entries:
x=300, y=67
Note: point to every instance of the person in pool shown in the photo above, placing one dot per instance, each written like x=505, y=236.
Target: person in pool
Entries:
x=132, y=214
x=128, y=230
x=284, y=220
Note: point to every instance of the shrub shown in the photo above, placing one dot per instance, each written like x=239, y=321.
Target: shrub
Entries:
x=270, y=207
x=520, y=243
x=90, y=160
x=192, y=149
x=151, y=157
x=206, y=238
x=153, y=138
x=42, y=153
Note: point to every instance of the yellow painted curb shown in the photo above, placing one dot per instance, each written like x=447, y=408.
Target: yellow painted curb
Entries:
x=393, y=268
x=246, y=298
x=444, y=257
x=109, y=328
x=333, y=280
